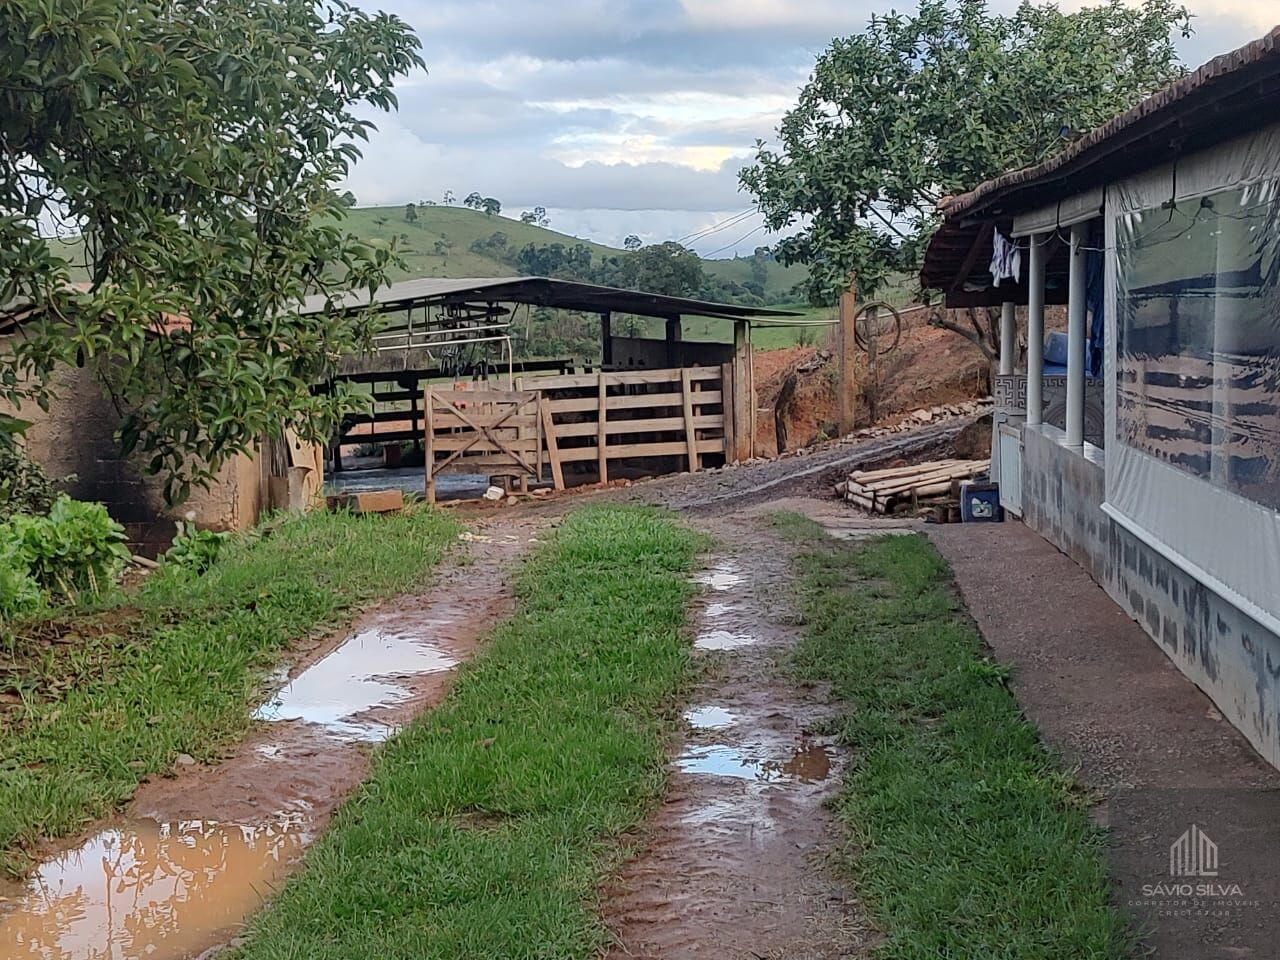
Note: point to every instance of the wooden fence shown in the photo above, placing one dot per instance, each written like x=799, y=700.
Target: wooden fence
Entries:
x=656, y=420
x=635, y=415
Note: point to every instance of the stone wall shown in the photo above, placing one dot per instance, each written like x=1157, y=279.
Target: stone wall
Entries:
x=1230, y=656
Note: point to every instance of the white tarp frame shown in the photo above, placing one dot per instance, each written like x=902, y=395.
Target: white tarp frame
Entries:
x=1193, y=366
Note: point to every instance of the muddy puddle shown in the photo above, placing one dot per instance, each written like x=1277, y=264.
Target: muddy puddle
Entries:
x=809, y=763
x=724, y=621
x=724, y=640
x=709, y=718
x=722, y=576
x=147, y=889
x=202, y=849
x=369, y=671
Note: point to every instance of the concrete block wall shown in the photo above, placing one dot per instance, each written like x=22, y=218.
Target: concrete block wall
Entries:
x=1227, y=654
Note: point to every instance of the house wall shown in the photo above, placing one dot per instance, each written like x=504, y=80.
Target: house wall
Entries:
x=76, y=438
x=1231, y=657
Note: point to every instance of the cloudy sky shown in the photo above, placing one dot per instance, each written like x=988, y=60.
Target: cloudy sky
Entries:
x=628, y=116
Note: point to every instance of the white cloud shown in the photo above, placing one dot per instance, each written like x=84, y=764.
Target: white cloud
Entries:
x=615, y=113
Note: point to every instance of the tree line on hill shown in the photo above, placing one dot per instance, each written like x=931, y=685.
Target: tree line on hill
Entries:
x=666, y=268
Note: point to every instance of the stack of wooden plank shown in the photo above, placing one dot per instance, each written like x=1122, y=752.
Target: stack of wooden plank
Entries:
x=893, y=488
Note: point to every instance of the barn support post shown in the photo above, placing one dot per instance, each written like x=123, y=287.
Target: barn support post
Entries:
x=1035, y=330
x=1076, y=319
x=606, y=339
x=674, y=335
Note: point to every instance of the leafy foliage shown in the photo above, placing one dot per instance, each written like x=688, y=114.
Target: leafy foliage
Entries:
x=76, y=549
x=195, y=146
x=919, y=107
x=24, y=486
x=19, y=594
x=196, y=549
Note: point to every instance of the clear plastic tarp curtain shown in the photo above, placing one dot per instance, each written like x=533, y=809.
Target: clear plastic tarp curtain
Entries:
x=1194, y=365
x=1198, y=338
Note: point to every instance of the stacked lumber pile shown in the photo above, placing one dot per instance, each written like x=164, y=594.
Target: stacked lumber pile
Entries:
x=891, y=489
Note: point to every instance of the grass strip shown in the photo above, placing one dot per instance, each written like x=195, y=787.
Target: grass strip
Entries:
x=965, y=838
x=489, y=824
x=100, y=700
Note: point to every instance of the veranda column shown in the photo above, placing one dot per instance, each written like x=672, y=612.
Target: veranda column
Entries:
x=1076, y=317
x=1035, y=330
x=1008, y=336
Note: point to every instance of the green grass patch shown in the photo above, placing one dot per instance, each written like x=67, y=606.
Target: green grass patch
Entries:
x=966, y=838
x=489, y=823
x=100, y=699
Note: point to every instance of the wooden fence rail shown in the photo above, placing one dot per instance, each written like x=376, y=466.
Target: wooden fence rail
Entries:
x=598, y=418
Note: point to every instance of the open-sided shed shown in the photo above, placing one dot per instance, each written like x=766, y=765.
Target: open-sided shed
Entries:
x=656, y=403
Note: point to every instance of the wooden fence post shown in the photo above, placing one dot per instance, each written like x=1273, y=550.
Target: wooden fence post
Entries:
x=429, y=430
x=690, y=436
x=848, y=359
x=553, y=445
x=726, y=404
x=602, y=452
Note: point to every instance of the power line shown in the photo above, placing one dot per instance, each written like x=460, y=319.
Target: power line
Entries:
x=716, y=227
x=727, y=246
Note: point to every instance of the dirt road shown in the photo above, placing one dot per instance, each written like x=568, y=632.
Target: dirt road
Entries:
x=735, y=864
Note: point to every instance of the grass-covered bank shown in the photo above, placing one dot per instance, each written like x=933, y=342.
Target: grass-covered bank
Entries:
x=95, y=701
x=966, y=838
x=489, y=823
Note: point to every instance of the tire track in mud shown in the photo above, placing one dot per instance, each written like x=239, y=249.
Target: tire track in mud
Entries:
x=735, y=860
x=197, y=854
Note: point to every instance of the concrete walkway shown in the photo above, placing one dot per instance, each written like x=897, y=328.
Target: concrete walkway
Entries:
x=1144, y=738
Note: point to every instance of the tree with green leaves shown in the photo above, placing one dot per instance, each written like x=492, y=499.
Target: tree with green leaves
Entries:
x=921, y=106
x=632, y=243
x=490, y=206
x=411, y=213
x=665, y=268
x=179, y=159
x=474, y=200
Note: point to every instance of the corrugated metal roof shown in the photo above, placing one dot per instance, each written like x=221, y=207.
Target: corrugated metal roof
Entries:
x=538, y=291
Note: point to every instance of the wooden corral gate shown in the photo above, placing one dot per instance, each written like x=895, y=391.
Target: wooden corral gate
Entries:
x=592, y=419
x=501, y=432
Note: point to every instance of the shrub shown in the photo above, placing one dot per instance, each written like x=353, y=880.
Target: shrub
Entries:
x=19, y=594
x=76, y=548
x=195, y=549
x=24, y=486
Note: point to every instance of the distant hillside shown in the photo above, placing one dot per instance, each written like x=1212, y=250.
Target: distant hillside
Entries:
x=459, y=228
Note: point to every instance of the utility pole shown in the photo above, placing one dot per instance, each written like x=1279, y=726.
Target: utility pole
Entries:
x=848, y=342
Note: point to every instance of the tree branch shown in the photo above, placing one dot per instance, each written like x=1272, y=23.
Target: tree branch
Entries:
x=976, y=336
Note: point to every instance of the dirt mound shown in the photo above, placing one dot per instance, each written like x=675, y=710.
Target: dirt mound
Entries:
x=931, y=367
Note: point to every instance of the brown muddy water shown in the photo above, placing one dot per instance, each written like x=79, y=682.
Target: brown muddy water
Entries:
x=150, y=889
x=199, y=852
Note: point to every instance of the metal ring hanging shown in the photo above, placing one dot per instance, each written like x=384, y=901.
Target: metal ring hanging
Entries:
x=860, y=336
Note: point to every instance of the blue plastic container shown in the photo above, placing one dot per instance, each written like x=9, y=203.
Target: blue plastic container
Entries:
x=980, y=503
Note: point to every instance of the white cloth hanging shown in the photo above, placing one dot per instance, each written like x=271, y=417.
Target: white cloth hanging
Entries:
x=1006, y=259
